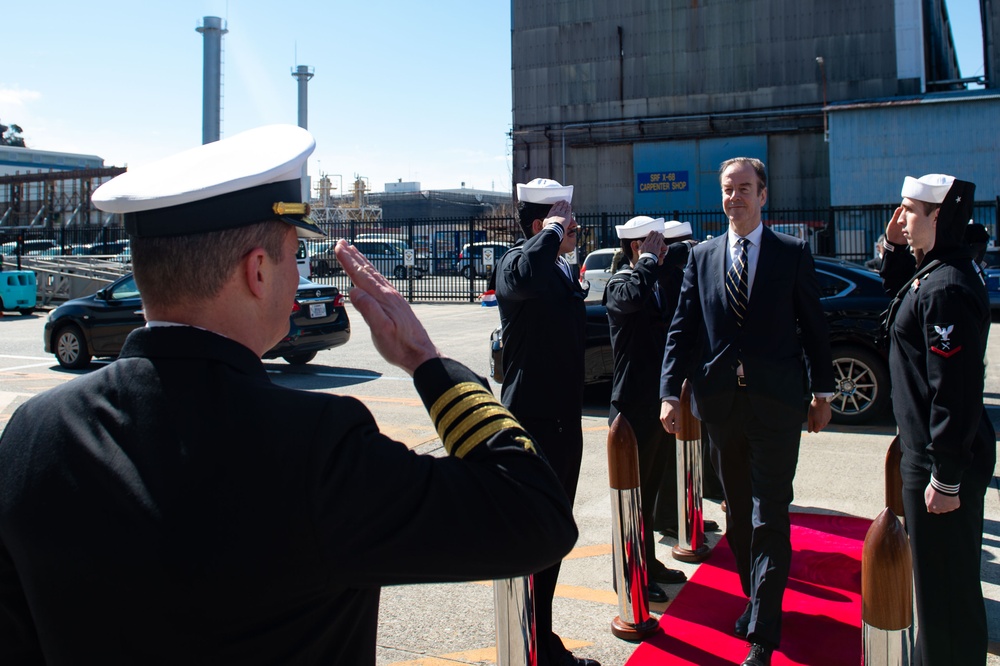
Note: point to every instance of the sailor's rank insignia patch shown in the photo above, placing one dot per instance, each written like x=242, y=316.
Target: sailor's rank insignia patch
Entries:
x=941, y=342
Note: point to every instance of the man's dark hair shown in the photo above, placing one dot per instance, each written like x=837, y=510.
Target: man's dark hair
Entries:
x=528, y=212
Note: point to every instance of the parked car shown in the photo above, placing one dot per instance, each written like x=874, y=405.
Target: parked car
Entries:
x=596, y=269
x=97, y=325
x=470, y=260
x=386, y=255
x=18, y=291
x=10, y=248
x=853, y=300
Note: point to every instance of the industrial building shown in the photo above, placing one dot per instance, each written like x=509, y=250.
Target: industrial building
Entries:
x=637, y=102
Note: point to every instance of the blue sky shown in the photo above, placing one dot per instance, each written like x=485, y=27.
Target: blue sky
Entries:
x=402, y=90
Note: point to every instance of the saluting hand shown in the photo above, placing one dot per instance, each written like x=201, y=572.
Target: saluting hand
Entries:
x=397, y=333
x=894, y=230
x=561, y=213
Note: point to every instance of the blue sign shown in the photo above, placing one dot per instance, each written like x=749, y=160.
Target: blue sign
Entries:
x=661, y=181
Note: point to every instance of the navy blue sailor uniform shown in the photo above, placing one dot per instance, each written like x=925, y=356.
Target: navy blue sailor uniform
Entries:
x=543, y=316
x=640, y=303
x=938, y=332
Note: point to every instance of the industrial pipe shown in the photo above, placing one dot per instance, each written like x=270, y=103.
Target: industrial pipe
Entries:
x=514, y=606
x=633, y=622
x=886, y=594
x=691, y=546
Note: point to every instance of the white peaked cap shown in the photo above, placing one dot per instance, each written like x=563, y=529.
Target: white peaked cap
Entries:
x=544, y=191
x=250, y=177
x=932, y=188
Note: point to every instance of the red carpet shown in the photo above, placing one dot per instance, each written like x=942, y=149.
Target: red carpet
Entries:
x=821, y=625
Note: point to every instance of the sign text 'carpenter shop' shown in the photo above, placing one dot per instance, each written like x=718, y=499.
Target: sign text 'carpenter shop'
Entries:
x=662, y=181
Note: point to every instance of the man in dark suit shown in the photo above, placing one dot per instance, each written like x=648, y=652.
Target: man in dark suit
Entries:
x=176, y=507
x=543, y=318
x=750, y=335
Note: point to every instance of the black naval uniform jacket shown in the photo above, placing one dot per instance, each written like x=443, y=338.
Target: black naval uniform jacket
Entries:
x=639, y=322
x=543, y=317
x=176, y=507
x=938, y=343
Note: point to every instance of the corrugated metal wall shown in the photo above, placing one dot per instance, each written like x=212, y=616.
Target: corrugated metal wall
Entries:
x=872, y=148
x=599, y=85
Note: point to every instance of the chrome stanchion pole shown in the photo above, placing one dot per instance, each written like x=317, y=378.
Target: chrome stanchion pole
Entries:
x=633, y=622
x=691, y=546
x=514, y=605
x=886, y=594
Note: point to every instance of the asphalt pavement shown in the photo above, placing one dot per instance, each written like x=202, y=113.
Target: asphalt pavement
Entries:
x=840, y=471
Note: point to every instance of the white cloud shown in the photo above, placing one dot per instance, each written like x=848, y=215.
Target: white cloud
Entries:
x=17, y=97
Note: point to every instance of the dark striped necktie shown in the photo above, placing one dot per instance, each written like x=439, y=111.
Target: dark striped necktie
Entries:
x=737, y=283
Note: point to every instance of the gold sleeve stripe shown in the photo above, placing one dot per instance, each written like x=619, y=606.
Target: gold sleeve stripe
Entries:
x=483, y=433
x=472, y=403
x=452, y=437
x=455, y=392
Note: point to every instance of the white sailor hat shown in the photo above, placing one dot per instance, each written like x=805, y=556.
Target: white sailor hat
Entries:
x=544, y=191
x=639, y=227
x=674, y=229
x=932, y=188
x=248, y=178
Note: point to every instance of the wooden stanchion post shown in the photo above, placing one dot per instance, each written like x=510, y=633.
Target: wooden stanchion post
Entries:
x=691, y=546
x=894, y=478
x=886, y=594
x=633, y=622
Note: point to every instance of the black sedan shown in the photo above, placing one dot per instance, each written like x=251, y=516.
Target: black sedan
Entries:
x=97, y=325
x=853, y=300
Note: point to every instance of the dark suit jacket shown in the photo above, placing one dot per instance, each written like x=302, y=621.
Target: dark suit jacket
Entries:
x=781, y=364
x=543, y=317
x=176, y=507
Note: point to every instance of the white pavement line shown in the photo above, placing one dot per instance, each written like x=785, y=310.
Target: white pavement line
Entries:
x=6, y=398
x=26, y=358
x=25, y=367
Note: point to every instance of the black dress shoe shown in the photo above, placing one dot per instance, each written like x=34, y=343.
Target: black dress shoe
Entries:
x=743, y=622
x=670, y=532
x=655, y=594
x=758, y=656
x=569, y=659
x=661, y=574
x=711, y=526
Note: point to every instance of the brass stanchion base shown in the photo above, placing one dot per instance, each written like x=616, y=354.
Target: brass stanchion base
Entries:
x=634, y=632
x=685, y=554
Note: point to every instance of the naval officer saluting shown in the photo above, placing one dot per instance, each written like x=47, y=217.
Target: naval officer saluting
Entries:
x=160, y=510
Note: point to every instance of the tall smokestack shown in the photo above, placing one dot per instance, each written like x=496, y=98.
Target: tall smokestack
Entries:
x=303, y=73
x=213, y=28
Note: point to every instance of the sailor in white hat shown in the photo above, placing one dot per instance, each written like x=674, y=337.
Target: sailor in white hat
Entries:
x=938, y=327
x=542, y=314
x=641, y=297
x=195, y=511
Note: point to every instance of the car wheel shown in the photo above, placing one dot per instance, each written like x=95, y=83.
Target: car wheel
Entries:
x=862, y=384
x=26, y=311
x=71, y=348
x=299, y=359
x=399, y=272
x=466, y=272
